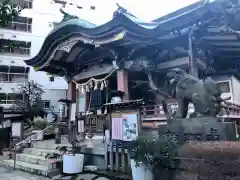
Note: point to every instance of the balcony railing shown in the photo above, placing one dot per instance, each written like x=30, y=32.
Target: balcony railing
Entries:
x=7, y=101
x=24, y=81
x=17, y=26
x=14, y=50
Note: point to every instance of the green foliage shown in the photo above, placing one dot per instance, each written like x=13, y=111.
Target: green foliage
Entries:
x=52, y=156
x=57, y=155
x=8, y=11
x=31, y=105
x=154, y=150
x=40, y=123
x=62, y=149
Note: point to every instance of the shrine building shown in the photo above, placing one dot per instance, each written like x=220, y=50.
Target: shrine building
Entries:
x=203, y=39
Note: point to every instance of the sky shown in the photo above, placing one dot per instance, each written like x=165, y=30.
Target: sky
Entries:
x=152, y=9
x=146, y=10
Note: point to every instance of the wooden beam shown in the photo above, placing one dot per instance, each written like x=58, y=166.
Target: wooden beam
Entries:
x=228, y=49
x=71, y=92
x=224, y=43
x=220, y=38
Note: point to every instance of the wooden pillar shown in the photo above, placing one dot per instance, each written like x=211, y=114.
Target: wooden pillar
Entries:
x=192, y=56
x=71, y=96
x=71, y=92
x=122, y=83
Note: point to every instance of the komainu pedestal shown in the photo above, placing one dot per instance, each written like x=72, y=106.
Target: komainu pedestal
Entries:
x=200, y=129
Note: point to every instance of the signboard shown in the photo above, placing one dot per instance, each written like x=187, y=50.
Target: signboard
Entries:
x=125, y=127
x=117, y=128
x=16, y=129
x=130, y=127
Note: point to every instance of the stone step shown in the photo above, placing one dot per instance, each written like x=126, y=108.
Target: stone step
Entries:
x=38, y=151
x=48, y=145
x=42, y=170
x=40, y=160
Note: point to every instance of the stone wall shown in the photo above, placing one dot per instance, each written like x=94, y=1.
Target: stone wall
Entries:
x=204, y=161
x=209, y=150
x=200, y=129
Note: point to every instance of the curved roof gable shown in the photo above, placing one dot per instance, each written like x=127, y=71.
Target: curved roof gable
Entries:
x=124, y=28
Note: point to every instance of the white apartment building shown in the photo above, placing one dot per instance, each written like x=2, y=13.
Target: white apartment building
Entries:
x=23, y=38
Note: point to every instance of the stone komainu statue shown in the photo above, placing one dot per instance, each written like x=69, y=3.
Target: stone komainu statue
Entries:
x=205, y=95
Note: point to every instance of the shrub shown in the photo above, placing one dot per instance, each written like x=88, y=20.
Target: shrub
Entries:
x=154, y=150
x=40, y=123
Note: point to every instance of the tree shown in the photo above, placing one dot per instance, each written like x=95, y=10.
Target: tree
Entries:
x=31, y=104
x=162, y=97
x=9, y=9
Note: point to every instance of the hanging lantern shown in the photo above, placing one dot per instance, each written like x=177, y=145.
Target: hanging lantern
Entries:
x=96, y=85
x=102, y=86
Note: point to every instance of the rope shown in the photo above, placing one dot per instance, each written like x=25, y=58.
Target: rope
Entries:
x=94, y=79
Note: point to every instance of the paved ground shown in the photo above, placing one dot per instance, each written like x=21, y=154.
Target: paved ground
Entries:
x=9, y=174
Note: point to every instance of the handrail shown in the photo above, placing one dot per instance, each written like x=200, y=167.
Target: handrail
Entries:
x=27, y=139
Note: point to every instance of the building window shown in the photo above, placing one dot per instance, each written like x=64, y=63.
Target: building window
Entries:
x=3, y=77
x=14, y=47
x=46, y=104
x=28, y=4
x=96, y=98
x=21, y=24
x=224, y=87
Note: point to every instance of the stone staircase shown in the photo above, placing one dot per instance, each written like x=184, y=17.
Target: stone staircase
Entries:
x=33, y=159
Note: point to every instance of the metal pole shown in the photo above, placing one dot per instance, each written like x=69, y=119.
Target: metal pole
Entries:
x=14, y=157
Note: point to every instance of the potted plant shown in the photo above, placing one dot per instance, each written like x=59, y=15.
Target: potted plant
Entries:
x=72, y=160
x=148, y=152
x=57, y=157
x=67, y=160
